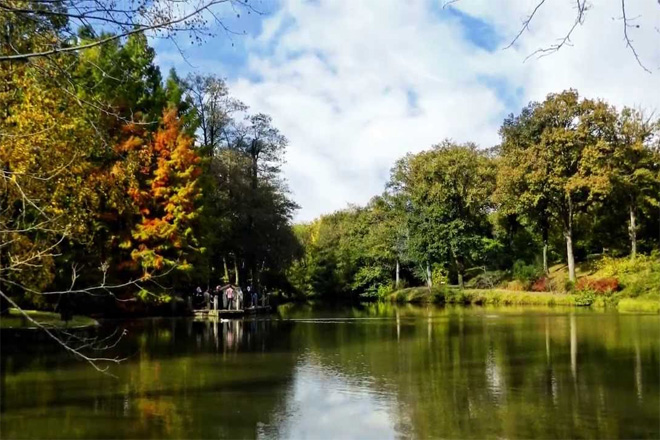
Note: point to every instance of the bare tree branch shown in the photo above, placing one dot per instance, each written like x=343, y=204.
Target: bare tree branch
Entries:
x=581, y=7
x=525, y=25
x=626, y=25
x=137, y=16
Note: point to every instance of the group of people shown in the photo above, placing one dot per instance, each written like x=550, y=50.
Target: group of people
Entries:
x=226, y=297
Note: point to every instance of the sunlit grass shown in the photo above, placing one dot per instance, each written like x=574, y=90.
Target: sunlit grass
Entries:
x=646, y=303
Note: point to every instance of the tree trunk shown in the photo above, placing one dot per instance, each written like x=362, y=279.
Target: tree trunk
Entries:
x=460, y=267
x=632, y=231
x=546, y=270
x=429, y=281
x=225, y=279
x=398, y=268
x=4, y=304
x=236, y=270
x=568, y=234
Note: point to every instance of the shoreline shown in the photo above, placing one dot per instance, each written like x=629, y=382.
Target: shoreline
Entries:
x=15, y=321
x=644, y=304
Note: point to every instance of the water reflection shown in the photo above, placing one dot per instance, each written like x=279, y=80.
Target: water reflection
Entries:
x=376, y=371
x=325, y=403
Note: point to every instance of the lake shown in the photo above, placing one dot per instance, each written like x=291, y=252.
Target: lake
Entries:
x=372, y=371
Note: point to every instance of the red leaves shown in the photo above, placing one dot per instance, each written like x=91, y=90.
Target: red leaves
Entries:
x=598, y=285
x=543, y=284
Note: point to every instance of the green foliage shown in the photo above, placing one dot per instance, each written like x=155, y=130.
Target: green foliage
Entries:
x=526, y=273
x=487, y=280
x=637, y=277
x=481, y=297
x=584, y=297
x=447, y=197
x=133, y=170
x=439, y=276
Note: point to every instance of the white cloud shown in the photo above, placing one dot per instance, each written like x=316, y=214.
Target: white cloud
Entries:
x=356, y=85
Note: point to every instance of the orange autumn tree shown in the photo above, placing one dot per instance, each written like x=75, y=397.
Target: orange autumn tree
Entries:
x=165, y=190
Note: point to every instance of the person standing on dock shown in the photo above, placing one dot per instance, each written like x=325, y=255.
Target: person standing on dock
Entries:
x=239, y=298
x=207, y=299
x=216, y=295
x=254, y=298
x=230, y=297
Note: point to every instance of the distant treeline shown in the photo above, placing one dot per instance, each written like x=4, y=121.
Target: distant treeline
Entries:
x=571, y=177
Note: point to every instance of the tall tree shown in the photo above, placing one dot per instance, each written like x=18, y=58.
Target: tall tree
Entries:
x=165, y=195
x=448, y=189
x=511, y=194
x=627, y=167
x=548, y=169
x=215, y=109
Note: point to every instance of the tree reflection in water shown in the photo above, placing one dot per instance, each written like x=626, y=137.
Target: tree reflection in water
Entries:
x=351, y=372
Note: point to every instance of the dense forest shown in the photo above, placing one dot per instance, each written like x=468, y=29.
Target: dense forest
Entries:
x=117, y=181
x=130, y=189
x=572, y=179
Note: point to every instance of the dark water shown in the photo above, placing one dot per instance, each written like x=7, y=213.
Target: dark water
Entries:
x=376, y=371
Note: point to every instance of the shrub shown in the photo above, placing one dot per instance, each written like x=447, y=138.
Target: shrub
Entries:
x=639, y=276
x=516, y=286
x=527, y=274
x=615, y=267
x=486, y=280
x=598, y=286
x=543, y=284
x=439, y=276
x=584, y=298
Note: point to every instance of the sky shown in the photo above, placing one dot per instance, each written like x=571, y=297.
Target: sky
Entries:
x=356, y=84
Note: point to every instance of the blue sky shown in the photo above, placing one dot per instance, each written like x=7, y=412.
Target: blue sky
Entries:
x=355, y=85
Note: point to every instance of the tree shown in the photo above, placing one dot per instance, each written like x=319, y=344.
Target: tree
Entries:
x=165, y=195
x=448, y=193
x=264, y=146
x=120, y=80
x=518, y=133
x=244, y=194
x=45, y=196
x=548, y=169
x=215, y=110
x=627, y=167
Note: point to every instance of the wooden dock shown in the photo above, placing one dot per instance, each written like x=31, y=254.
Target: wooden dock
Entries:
x=224, y=313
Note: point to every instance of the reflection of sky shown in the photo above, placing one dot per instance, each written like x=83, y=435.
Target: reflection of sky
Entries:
x=324, y=403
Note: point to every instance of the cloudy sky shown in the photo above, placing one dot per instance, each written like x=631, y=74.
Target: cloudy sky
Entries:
x=356, y=84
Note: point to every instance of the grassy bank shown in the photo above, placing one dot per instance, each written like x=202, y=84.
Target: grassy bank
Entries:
x=634, y=287
x=15, y=320
x=647, y=303
x=479, y=296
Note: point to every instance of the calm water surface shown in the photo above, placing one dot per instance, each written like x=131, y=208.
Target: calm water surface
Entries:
x=376, y=371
